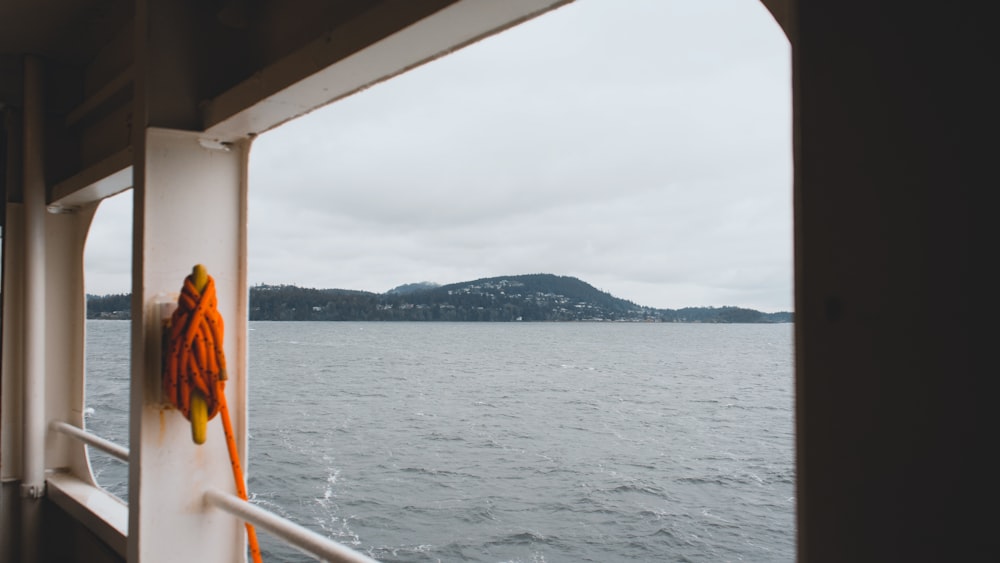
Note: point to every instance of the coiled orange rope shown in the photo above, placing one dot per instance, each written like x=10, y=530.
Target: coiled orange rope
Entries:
x=194, y=377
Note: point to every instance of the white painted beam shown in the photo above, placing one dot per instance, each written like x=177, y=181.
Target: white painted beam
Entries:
x=314, y=76
x=106, y=178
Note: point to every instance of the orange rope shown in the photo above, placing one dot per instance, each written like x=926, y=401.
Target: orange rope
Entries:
x=241, y=489
x=196, y=364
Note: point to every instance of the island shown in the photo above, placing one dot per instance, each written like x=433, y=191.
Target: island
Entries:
x=519, y=298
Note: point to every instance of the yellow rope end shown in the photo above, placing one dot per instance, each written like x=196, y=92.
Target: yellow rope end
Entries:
x=199, y=276
x=199, y=417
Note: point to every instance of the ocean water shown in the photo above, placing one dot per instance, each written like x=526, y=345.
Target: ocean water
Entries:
x=509, y=442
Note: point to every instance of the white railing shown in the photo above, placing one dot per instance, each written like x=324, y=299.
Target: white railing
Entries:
x=96, y=509
x=105, y=446
x=304, y=539
x=291, y=533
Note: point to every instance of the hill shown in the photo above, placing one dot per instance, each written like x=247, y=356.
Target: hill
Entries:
x=530, y=297
x=411, y=287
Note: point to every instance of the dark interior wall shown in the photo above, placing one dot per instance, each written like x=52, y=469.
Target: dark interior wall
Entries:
x=75, y=543
x=894, y=384
x=10, y=531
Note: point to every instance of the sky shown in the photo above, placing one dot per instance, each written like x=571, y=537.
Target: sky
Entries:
x=643, y=146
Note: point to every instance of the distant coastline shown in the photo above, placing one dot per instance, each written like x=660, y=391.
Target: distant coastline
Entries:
x=520, y=298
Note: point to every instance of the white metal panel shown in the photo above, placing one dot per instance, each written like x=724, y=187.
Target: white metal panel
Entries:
x=190, y=208
x=65, y=332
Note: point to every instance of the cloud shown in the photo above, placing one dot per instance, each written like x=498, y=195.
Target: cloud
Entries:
x=643, y=146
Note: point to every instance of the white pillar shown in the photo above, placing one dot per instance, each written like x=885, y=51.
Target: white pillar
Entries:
x=190, y=208
x=33, y=315
x=33, y=478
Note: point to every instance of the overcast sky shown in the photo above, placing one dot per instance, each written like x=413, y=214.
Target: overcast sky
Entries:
x=643, y=146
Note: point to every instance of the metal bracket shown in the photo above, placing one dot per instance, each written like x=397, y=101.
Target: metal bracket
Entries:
x=32, y=491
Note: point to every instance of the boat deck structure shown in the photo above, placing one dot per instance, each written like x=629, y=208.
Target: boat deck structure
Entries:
x=165, y=98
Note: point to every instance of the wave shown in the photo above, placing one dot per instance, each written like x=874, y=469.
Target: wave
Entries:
x=519, y=538
x=445, y=473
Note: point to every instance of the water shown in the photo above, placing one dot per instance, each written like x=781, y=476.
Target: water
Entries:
x=504, y=442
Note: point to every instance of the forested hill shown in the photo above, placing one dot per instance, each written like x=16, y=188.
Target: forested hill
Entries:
x=532, y=297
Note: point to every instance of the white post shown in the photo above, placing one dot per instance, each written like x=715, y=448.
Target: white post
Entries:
x=190, y=208
x=33, y=479
x=33, y=406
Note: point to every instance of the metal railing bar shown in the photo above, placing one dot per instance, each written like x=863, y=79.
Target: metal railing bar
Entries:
x=295, y=535
x=106, y=446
